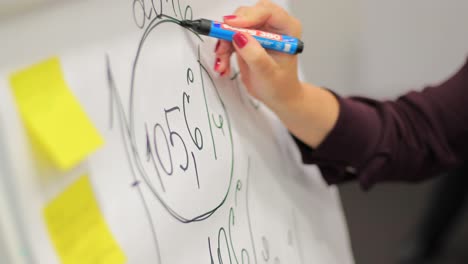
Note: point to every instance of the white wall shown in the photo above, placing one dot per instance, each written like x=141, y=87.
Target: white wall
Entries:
x=382, y=48
x=9, y=8
x=330, y=33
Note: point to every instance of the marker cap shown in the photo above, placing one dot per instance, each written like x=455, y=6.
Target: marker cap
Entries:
x=300, y=46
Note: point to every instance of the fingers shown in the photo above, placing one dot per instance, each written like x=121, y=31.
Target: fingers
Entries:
x=248, y=17
x=255, y=56
x=223, y=51
x=267, y=16
x=244, y=70
x=223, y=47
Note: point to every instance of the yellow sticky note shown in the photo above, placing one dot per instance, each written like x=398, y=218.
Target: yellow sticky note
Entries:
x=52, y=115
x=78, y=229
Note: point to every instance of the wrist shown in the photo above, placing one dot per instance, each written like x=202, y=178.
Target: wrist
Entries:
x=310, y=115
x=286, y=103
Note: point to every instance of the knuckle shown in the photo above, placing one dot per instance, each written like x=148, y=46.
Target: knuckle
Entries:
x=281, y=75
x=226, y=48
x=262, y=64
x=275, y=72
x=244, y=78
x=252, y=12
x=241, y=10
x=297, y=26
x=266, y=3
x=258, y=59
x=263, y=3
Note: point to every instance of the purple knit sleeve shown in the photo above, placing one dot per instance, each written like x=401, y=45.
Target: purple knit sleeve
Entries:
x=410, y=139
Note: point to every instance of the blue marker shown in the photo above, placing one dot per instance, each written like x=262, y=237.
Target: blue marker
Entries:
x=268, y=40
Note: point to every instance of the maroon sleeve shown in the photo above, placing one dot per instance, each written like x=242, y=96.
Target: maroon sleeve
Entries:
x=410, y=139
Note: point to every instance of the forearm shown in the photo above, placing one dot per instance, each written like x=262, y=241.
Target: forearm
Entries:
x=409, y=139
x=310, y=115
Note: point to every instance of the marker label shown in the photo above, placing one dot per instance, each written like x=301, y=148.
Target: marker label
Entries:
x=268, y=40
x=253, y=32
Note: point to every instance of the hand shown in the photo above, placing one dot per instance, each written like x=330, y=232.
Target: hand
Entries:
x=269, y=76
x=308, y=111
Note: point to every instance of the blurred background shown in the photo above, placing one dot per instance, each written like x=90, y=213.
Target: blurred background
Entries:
x=9, y=7
x=384, y=48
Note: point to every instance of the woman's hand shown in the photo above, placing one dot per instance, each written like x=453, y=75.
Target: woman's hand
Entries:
x=270, y=76
x=309, y=112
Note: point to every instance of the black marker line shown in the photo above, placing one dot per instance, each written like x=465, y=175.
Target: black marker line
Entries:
x=153, y=24
x=190, y=76
x=132, y=139
x=158, y=15
x=266, y=249
x=128, y=125
x=220, y=259
x=111, y=95
x=180, y=10
x=236, y=74
x=238, y=189
x=148, y=144
x=187, y=8
x=196, y=170
x=232, y=222
x=171, y=171
x=211, y=254
x=173, y=133
x=255, y=105
x=135, y=183
x=248, y=210
x=198, y=144
x=145, y=16
x=202, y=68
x=150, y=157
x=173, y=8
x=296, y=235
x=221, y=122
x=246, y=253
x=127, y=153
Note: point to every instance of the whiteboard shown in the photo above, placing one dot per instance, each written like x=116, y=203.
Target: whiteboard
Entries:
x=227, y=185
x=11, y=7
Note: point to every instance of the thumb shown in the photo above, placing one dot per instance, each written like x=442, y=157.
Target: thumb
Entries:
x=254, y=55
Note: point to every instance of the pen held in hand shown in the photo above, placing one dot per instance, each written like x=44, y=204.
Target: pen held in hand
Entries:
x=272, y=41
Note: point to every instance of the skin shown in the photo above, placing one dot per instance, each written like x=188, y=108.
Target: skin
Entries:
x=308, y=111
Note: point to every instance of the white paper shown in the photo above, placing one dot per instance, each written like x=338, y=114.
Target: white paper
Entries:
x=193, y=170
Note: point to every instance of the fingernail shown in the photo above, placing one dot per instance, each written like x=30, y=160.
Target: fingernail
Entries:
x=240, y=39
x=217, y=63
x=217, y=45
x=222, y=74
x=229, y=17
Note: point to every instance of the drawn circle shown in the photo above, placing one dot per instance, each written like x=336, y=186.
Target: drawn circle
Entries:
x=201, y=213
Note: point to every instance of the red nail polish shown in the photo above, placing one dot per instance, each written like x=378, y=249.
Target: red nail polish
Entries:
x=217, y=63
x=217, y=45
x=222, y=74
x=230, y=17
x=240, y=39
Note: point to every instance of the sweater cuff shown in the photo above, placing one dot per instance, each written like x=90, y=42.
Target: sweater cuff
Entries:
x=349, y=144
